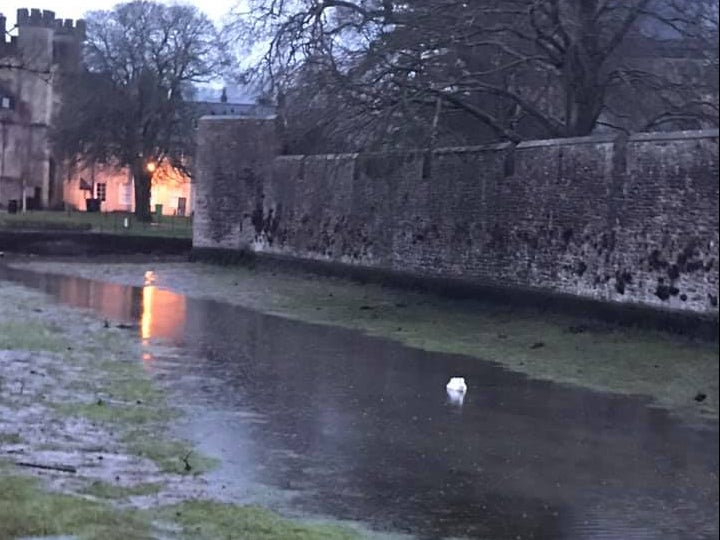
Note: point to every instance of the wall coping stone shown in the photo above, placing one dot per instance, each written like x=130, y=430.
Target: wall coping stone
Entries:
x=236, y=118
x=569, y=141
x=675, y=135
x=540, y=143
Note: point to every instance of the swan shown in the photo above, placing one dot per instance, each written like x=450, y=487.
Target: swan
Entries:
x=457, y=384
x=455, y=397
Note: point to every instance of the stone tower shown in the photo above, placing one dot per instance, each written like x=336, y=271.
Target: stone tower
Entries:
x=40, y=50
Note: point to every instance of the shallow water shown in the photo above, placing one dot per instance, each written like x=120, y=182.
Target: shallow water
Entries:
x=326, y=422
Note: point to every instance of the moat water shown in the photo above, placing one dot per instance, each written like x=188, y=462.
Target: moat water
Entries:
x=325, y=422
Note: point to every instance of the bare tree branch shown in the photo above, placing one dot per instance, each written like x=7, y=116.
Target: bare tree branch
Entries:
x=505, y=69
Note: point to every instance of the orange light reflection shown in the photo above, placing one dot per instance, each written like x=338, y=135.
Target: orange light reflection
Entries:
x=163, y=312
x=147, y=312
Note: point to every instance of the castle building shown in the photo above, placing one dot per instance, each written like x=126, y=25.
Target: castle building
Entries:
x=34, y=56
x=32, y=60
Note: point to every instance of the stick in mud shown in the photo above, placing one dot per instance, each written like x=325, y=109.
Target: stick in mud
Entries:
x=61, y=468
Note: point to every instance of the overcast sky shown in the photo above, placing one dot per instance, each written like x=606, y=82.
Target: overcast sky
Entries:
x=74, y=9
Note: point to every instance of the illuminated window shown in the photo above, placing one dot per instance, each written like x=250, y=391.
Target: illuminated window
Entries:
x=101, y=191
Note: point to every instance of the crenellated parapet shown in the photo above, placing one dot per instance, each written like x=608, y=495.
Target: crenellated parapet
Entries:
x=43, y=38
x=8, y=44
x=37, y=18
x=3, y=29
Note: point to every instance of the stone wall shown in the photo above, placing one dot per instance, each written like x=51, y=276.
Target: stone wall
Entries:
x=620, y=220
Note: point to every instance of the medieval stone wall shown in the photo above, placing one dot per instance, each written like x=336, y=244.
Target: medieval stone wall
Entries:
x=620, y=220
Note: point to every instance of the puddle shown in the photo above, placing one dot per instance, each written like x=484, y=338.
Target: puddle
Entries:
x=320, y=421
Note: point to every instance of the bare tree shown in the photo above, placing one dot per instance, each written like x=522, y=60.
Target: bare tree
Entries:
x=505, y=69
x=129, y=107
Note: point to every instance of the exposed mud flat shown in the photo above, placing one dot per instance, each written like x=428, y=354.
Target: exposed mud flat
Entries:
x=85, y=440
x=42, y=390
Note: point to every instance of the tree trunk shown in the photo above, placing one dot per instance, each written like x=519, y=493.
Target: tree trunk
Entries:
x=142, y=182
x=586, y=100
x=584, y=95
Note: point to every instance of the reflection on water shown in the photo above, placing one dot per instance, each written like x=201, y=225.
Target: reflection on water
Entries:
x=147, y=310
x=163, y=313
x=157, y=312
x=455, y=397
x=361, y=428
x=114, y=301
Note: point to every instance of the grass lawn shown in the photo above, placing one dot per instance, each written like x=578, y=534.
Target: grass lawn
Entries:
x=105, y=222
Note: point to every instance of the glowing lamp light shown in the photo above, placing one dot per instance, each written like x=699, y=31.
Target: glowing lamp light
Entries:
x=151, y=167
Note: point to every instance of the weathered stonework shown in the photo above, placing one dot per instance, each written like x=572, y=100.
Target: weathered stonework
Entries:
x=620, y=220
x=233, y=166
x=32, y=64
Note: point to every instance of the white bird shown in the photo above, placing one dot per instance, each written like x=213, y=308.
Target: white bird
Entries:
x=457, y=384
x=455, y=397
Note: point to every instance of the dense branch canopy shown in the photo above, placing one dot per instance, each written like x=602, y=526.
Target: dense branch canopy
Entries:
x=507, y=69
x=129, y=106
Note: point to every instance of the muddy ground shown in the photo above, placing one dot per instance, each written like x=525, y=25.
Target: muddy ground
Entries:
x=85, y=448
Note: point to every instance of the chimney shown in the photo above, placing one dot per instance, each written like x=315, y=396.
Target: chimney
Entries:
x=223, y=96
